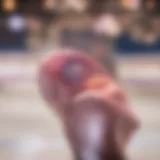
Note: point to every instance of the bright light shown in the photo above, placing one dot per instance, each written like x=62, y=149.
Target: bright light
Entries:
x=9, y=5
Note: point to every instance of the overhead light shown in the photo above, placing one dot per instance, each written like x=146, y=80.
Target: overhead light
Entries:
x=9, y=5
x=131, y=4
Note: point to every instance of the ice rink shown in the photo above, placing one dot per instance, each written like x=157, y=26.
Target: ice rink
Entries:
x=30, y=131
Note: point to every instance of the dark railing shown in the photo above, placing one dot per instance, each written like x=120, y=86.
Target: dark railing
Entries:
x=12, y=41
x=126, y=45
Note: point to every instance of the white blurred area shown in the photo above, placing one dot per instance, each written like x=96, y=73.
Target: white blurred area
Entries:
x=31, y=131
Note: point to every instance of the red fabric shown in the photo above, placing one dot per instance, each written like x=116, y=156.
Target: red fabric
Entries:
x=52, y=67
x=56, y=89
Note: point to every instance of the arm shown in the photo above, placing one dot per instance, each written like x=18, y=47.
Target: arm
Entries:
x=87, y=129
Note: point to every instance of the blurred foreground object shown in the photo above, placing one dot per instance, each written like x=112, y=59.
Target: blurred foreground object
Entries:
x=93, y=108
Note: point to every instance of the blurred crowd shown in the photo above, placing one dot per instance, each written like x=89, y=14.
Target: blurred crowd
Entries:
x=59, y=22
